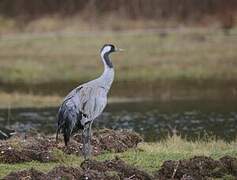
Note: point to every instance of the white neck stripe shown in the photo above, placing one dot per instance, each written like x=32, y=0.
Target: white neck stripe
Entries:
x=105, y=50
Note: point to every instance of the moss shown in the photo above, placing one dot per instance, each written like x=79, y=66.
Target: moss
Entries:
x=228, y=177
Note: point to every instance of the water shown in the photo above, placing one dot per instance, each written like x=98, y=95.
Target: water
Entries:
x=153, y=120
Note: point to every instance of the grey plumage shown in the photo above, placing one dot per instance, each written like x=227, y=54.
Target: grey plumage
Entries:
x=81, y=106
x=86, y=102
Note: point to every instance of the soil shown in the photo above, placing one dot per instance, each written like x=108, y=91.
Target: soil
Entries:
x=40, y=147
x=110, y=140
x=90, y=170
x=198, y=167
x=26, y=175
x=118, y=166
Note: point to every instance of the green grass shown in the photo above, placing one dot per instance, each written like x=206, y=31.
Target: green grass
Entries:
x=7, y=168
x=148, y=156
x=194, y=54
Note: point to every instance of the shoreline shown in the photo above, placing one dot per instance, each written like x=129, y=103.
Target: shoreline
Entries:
x=52, y=93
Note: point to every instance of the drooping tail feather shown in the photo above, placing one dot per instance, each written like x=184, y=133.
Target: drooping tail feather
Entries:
x=64, y=128
x=66, y=132
x=68, y=122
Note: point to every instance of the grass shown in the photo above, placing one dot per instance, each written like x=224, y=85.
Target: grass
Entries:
x=14, y=100
x=148, y=156
x=18, y=100
x=174, y=55
x=56, y=62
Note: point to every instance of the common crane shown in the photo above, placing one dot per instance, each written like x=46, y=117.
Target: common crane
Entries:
x=85, y=103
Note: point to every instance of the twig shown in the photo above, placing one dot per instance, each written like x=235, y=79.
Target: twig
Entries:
x=132, y=176
x=175, y=169
x=27, y=177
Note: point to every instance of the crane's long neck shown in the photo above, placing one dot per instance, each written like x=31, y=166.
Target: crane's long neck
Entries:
x=108, y=75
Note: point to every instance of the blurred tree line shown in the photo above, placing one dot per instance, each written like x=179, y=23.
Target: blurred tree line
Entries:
x=149, y=9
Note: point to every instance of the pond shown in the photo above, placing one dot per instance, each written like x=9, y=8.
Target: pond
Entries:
x=154, y=120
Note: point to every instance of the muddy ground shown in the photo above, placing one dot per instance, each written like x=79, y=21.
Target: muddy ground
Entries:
x=197, y=168
x=112, y=169
x=40, y=148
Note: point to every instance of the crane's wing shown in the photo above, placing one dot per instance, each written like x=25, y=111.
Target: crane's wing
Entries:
x=69, y=115
x=80, y=106
x=92, y=101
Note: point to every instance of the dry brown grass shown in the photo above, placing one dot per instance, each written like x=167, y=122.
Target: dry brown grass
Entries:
x=14, y=100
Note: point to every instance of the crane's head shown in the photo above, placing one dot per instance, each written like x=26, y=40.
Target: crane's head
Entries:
x=109, y=48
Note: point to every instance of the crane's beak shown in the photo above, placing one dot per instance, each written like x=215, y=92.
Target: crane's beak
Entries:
x=119, y=50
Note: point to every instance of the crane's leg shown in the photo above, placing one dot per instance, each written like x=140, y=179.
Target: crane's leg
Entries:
x=86, y=140
x=90, y=136
x=90, y=130
x=58, y=129
x=57, y=135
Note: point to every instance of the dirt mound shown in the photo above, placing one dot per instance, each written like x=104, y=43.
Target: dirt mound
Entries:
x=110, y=140
x=16, y=156
x=110, y=170
x=65, y=172
x=198, y=167
x=41, y=147
x=20, y=150
x=104, y=140
x=120, y=167
x=230, y=164
x=26, y=174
